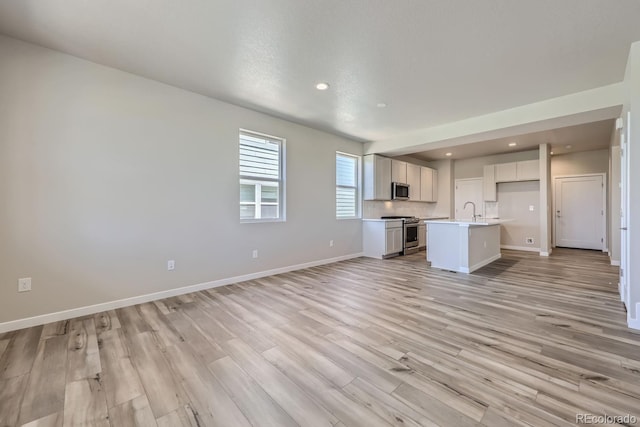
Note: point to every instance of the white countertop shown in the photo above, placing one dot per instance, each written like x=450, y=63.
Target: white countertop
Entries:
x=468, y=222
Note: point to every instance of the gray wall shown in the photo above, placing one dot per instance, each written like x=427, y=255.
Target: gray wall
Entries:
x=595, y=161
x=104, y=176
x=514, y=199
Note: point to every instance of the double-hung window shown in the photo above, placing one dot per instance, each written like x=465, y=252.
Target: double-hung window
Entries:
x=261, y=177
x=347, y=186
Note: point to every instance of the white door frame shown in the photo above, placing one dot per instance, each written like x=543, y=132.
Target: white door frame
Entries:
x=625, y=286
x=605, y=242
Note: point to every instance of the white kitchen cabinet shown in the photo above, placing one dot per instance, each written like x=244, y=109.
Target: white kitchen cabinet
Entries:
x=428, y=185
x=528, y=170
x=506, y=172
x=434, y=185
x=398, y=171
x=422, y=235
x=382, y=239
x=413, y=179
x=377, y=177
x=489, y=184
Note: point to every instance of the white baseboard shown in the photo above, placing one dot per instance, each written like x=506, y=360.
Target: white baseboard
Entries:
x=544, y=253
x=520, y=248
x=635, y=323
x=482, y=263
x=621, y=290
x=615, y=262
x=126, y=302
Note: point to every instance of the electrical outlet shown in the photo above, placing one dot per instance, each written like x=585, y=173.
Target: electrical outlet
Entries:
x=531, y=208
x=255, y=253
x=171, y=265
x=529, y=240
x=331, y=243
x=24, y=284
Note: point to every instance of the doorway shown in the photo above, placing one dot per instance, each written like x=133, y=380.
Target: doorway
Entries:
x=580, y=207
x=468, y=190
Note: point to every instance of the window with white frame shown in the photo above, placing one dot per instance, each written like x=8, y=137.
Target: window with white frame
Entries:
x=261, y=177
x=347, y=185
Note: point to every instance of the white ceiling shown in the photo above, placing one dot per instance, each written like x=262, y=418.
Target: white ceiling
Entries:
x=571, y=139
x=431, y=61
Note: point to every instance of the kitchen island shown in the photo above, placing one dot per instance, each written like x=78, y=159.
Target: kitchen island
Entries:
x=463, y=245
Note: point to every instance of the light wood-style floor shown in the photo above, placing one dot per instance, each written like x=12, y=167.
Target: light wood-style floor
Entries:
x=525, y=341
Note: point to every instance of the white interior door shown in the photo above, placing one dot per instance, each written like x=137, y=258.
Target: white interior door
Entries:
x=624, y=203
x=580, y=209
x=468, y=190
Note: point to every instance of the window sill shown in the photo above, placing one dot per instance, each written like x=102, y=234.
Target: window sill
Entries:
x=258, y=221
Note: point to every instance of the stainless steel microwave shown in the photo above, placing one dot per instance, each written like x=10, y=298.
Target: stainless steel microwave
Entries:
x=399, y=191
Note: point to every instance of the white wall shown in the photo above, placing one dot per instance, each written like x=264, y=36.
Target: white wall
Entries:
x=104, y=176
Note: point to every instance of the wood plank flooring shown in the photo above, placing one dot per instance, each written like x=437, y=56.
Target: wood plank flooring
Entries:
x=525, y=341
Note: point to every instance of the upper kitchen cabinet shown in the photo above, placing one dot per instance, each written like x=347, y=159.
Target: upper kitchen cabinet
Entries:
x=506, y=172
x=489, y=184
x=399, y=171
x=528, y=170
x=377, y=177
x=414, y=181
x=428, y=184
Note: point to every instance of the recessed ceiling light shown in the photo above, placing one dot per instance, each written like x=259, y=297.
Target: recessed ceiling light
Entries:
x=448, y=154
x=512, y=144
x=322, y=86
x=381, y=105
x=568, y=147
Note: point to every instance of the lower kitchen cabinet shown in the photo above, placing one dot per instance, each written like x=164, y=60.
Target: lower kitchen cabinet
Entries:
x=382, y=239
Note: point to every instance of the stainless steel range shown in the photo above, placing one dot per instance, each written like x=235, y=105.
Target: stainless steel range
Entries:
x=410, y=233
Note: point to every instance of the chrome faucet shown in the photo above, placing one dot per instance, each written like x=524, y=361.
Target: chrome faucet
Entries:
x=474, y=208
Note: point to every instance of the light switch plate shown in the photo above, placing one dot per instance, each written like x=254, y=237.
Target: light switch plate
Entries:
x=531, y=208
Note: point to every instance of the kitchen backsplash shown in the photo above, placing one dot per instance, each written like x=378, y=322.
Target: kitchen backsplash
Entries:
x=376, y=209
x=491, y=210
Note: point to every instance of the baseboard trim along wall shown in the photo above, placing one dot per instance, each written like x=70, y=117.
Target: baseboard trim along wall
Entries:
x=482, y=263
x=520, y=248
x=635, y=323
x=544, y=253
x=615, y=262
x=126, y=302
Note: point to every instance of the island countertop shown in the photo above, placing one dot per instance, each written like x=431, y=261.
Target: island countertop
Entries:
x=469, y=222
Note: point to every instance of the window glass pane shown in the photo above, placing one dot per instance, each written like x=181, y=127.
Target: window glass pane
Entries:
x=269, y=211
x=247, y=193
x=261, y=166
x=269, y=194
x=346, y=170
x=346, y=202
x=247, y=211
x=259, y=157
x=347, y=186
